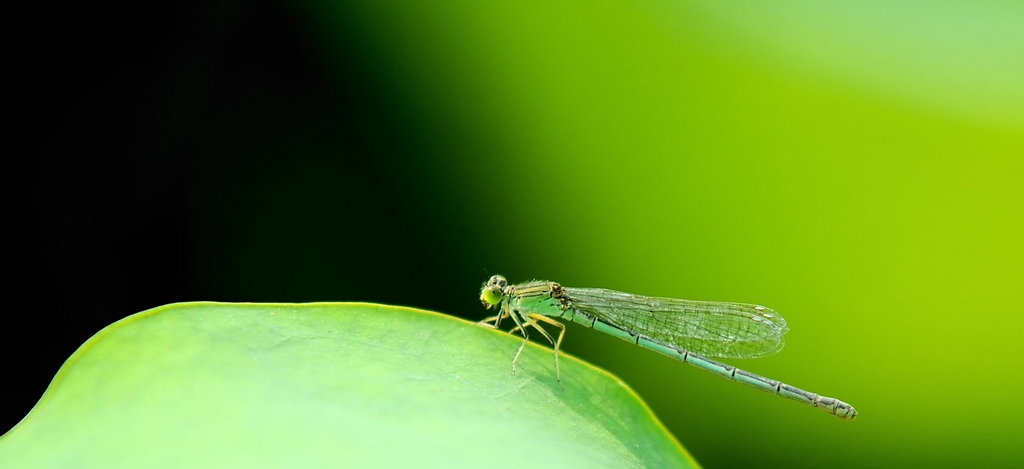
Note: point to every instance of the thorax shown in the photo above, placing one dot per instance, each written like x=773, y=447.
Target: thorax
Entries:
x=544, y=298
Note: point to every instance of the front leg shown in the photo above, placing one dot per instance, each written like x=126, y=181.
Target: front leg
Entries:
x=526, y=337
x=491, y=322
x=496, y=320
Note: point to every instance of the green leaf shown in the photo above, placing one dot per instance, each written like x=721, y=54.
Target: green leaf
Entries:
x=328, y=385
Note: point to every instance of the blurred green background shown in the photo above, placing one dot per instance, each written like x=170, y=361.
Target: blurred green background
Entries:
x=857, y=167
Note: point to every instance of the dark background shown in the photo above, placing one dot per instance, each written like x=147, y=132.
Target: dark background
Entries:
x=165, y=142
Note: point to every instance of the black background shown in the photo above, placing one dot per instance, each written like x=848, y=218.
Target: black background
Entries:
x=201, y=151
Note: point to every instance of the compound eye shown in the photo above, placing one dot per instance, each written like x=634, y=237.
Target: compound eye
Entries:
x=491, y=295
x=497, y=280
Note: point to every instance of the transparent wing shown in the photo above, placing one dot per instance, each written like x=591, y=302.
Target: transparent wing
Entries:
x=710, y=328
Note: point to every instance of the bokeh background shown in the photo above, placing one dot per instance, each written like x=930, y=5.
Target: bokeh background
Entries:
x=857, y=167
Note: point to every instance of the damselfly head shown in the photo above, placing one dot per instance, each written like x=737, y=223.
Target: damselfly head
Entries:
x=491, y=295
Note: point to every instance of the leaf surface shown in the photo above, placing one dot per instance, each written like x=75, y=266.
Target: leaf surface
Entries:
x=326, y=385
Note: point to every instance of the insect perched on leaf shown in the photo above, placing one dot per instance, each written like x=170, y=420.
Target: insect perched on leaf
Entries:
x=686, y=330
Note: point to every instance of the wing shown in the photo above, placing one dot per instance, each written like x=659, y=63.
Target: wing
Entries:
x=710, y=328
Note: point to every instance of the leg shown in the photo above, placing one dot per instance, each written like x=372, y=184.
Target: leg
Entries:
x=526, y=337
x=530, y=321
x=557, y=343
x=494, y=319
